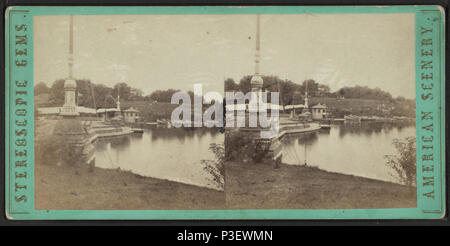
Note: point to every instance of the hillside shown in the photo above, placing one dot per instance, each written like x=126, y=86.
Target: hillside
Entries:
x=356, y=106
x=42, y=100
x=151, y=111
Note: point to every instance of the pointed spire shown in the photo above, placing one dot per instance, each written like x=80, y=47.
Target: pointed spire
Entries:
x=257, y=81
x=257, y=53
x=118, y=98
x=306, y=95
x=69, y=108
x=70, y=61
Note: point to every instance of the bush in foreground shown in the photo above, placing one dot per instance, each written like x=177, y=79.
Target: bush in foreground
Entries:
x=216, y=167
x=54, y=150
x=404, y=163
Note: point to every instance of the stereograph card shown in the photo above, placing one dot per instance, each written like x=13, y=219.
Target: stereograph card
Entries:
x=181, y=113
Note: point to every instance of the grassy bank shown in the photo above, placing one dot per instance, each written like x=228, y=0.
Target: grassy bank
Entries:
x=62, y=187
x=67, y=187
x=261, y=186
x=247, y=186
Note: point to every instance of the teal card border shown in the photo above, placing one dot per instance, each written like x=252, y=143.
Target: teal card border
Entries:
x=430, y=117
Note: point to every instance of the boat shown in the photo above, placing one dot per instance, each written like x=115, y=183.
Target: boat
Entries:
x=164, y=123
x=161, y=122
x=352, y=118
x=325, y=126
x=137, y=130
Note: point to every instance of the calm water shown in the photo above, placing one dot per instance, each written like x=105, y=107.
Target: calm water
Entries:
x=357, y=149
x=176, y=154
x=172, y=154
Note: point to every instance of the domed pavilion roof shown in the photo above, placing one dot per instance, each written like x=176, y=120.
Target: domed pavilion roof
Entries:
x=70, y=84
x=257, y=81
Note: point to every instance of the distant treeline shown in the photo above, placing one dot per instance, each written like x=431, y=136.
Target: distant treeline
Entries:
x=93, y=95
x=341, y=101
x=293, y=93
x=88, y=94
x=357, y=100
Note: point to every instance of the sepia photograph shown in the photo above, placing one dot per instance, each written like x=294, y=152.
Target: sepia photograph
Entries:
x=104, y=138
x=346, y=135
x=236, y=111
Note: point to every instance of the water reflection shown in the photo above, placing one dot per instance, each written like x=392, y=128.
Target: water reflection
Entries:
x=370, y=128
x=356, y=149
x=118, y=142
x=173, y=154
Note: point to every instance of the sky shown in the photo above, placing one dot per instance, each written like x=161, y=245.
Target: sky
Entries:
x=155, y=52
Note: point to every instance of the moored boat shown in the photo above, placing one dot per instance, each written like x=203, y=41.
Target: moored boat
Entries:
x=325, y=126
x=137, y=130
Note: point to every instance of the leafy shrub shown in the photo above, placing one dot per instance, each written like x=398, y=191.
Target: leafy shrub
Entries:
x=243, y=146
x=47, y=150
x=70, y=155
x=216, y=167
x=404, y=163
x=52, y=150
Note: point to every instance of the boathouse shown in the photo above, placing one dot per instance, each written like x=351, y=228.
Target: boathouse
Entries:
x=131, y=115
x=318, y=111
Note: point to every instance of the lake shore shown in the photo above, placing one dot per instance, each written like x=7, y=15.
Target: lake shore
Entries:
x=65, y=187
x=262, y=186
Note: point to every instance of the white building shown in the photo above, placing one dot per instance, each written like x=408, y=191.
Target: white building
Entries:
x=318, y=111
x=131, y=115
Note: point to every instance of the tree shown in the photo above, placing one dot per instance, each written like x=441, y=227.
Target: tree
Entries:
x=41, y=88
x=245, y=84
x=216, y=167
x=287, y=89
x=101, y=93
x=297, y=98
x=230, y=85
x=244, y=147
x=162, y=95
x=136, y=94
x=323, y=90
x=123, y=90
x=404, y=107
x=57, y=93
x=84, y=93
x=364, y=92
x=311, y=86
x=109, y=102
x=271, y=83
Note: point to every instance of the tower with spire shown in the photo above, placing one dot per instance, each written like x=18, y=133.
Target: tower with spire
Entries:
x=71, y=129
x=306, y=108
x=69, y=109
